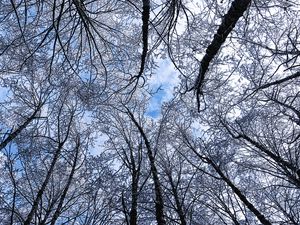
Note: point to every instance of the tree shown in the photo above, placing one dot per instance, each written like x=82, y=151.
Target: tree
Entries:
x=78, y=142
x=127, y=145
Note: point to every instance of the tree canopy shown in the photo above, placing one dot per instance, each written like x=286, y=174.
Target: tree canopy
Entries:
x=80, y=144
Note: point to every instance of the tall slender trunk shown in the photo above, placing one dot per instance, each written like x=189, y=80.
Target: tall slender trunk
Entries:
x=65, y=191
x=235, y=189
x=236, y=10
x=14, y=192
x=159, y=204
x=241, y=196
x=291, y=171
x=48, y=212
x=52, y=166
x=135, y=174
x=145, y=31
x=179, y=208
x=293, y=176
x=44, y=185
x=134, y=198
x=16, y=132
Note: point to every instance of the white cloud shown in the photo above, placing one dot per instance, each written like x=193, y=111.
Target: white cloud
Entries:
x=167, y=78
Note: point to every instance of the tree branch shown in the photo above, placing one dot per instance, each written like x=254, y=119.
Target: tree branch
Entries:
x=236, y=10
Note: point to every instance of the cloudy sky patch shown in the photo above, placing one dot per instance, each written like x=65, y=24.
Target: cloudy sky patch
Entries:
x=163, y=82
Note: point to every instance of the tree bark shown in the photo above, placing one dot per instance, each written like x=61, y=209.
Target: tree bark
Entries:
x=159, y=205
x=50, y=171
x=235, y=189
x=179, y=208
x=238, y=7
x=145, y=30
x=65, y=191
x=44, y=185
x=15, y=133
x=241, y=196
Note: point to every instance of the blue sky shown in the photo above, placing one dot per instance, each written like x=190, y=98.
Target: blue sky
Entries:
x=3, y=93
x=167, y=78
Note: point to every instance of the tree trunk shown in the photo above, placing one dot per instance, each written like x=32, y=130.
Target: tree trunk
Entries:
x=43, y=187
x=179, y=208
x=238, y=7
x=65, y=191
x=241, y=196
x=159, y=205
x=15, y=133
